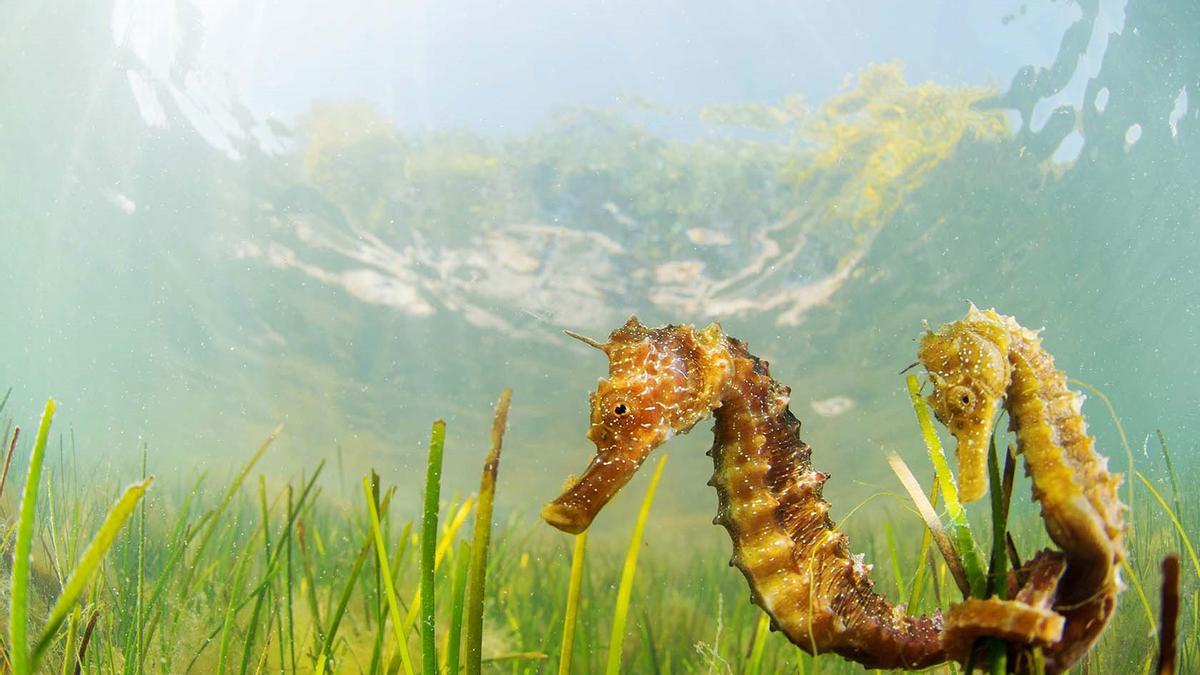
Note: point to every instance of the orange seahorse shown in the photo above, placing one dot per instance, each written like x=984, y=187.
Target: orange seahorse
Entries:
x=663, y=381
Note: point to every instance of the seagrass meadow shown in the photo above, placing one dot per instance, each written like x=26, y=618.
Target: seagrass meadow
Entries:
x=236, y=574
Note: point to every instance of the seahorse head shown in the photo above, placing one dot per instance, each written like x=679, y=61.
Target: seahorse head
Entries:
x=661, y=381
x=968, y=364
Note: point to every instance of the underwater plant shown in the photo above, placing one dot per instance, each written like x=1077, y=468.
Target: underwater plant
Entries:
x=663, y=381
x=22, y=658
x=297, y=578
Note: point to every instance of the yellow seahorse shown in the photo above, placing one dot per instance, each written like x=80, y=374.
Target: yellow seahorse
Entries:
x=973, y=363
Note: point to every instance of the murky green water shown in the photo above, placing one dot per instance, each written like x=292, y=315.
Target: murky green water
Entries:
x=354, y=219
x=357, y=217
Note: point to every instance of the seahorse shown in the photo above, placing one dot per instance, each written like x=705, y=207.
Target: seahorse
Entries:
x=663, y=381
x=975, y=363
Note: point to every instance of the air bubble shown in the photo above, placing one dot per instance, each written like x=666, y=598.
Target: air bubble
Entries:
x=1133, y=134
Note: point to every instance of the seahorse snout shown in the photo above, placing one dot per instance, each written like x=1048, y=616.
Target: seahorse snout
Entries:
x=582, y=499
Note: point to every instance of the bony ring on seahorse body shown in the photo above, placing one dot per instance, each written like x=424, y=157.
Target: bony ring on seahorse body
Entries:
x=663, y=381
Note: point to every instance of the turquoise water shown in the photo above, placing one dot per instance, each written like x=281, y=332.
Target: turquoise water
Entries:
x=353, y=220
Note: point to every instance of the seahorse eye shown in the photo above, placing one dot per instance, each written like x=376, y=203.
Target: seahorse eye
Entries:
x=962, y=399
x=620, y=409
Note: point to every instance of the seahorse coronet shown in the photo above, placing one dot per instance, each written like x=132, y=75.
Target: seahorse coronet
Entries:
x=801, y=572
